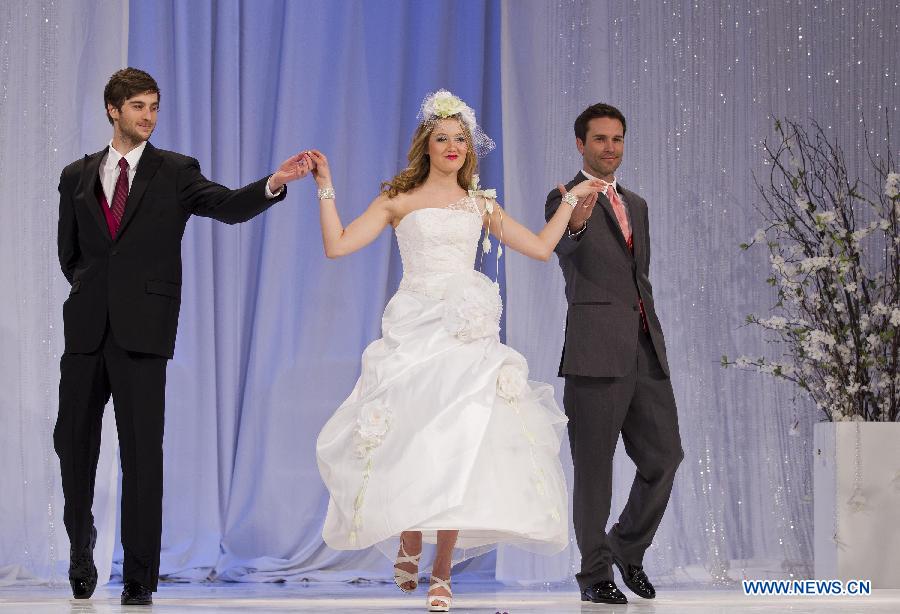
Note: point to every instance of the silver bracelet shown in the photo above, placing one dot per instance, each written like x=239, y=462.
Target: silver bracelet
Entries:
x=570, y=199
x=325, y=193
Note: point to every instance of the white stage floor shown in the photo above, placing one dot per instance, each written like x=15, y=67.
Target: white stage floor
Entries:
x=480, y=598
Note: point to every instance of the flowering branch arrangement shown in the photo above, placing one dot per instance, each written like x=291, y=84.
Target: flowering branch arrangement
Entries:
x=832, y=240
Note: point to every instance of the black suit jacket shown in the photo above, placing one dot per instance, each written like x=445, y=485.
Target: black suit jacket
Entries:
x=604, y=283
x=134, y=280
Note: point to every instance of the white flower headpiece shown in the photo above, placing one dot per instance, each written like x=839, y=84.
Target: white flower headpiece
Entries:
x=442, y=104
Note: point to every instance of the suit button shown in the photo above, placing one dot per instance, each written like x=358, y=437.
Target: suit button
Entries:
x=115, y=252
x=635, y=307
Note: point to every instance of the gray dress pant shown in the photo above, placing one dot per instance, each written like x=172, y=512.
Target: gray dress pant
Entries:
x=641, y=407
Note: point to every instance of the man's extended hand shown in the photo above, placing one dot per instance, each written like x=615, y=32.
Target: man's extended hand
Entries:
x=295, y=167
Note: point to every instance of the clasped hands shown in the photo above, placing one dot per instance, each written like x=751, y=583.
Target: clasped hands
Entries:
x=587, y=193
x=299, y=166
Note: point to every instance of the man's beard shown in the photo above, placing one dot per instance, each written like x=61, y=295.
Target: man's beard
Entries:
x=131, y=133
x=597, y=165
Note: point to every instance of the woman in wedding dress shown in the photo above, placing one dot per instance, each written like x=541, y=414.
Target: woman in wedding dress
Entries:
x=443, y=439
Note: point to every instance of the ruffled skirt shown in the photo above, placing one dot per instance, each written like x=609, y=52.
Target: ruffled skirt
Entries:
x=444, y=431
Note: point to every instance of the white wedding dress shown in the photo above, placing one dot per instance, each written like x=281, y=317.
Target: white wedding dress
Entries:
x=443, y=430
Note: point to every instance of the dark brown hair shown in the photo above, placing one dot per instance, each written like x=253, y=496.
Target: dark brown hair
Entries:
x=125, y=84
x=594, y=111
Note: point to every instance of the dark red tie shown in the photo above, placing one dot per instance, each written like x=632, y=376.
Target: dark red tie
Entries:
x=120, y=195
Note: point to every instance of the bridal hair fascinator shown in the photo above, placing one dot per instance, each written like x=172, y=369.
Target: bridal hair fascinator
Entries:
x=442, y=104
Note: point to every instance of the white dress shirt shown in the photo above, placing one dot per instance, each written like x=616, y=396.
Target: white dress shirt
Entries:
x=109, y=168
x=616, y=188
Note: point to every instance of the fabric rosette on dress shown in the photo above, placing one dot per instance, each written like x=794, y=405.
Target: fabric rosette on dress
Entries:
x=371, y=426
x=472, y=306
x=443, y=430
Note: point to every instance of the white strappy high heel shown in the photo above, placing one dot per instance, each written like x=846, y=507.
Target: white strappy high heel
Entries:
x=401, y=576
x=443, y=602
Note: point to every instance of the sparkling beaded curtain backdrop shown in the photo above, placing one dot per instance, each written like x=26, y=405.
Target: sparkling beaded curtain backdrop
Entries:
x=51, y=53
x=700, y=84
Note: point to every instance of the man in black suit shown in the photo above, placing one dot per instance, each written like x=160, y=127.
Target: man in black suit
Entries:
x=122, y=214
x=614, y=365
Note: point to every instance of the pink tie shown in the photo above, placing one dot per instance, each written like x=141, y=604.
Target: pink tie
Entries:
x=619, y=210
x=120, y=195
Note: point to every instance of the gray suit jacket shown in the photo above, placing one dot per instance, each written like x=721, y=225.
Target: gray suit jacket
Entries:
x=604, y=283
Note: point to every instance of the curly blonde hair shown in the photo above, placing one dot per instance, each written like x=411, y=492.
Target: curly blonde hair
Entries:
x=419, y=165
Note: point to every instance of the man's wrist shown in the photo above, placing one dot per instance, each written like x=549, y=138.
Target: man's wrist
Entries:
x=273, y=187
x=574, y=234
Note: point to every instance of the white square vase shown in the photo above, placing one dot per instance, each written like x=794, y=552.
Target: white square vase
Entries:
x=866, y=519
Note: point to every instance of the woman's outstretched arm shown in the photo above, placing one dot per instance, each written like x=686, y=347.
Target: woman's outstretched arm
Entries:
x=340, y=240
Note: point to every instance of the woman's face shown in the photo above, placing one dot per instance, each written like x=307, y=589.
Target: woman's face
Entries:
x=447, y=146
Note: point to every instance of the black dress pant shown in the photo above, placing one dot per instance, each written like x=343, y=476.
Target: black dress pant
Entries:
x=137, y=383
x=641, y=407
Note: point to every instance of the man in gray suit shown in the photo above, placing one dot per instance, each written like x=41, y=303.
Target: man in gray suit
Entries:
x=614, y=365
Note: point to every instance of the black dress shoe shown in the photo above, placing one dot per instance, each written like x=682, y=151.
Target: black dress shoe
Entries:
x=82, y=572
x=603, y=592
x=136, y=593
x=635, y=579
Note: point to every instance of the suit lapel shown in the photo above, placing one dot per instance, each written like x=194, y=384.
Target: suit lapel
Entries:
x=604, y=203
x=90, y=176
x=637, y=221
x=147, y=167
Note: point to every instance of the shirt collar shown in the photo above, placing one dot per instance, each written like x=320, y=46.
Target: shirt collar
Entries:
x=612, y=183
x=133, y=156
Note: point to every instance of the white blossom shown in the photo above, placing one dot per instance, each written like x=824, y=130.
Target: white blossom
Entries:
x=816, y=343
x=825, y=217
x=815, y=263
x=892, y=185
x=787, y=368
x=859, y=235
x=895, y=317
x=775, y=323
x=845, y=352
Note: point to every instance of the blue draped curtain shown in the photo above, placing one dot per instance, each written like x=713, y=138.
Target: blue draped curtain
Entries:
x=271, y=331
